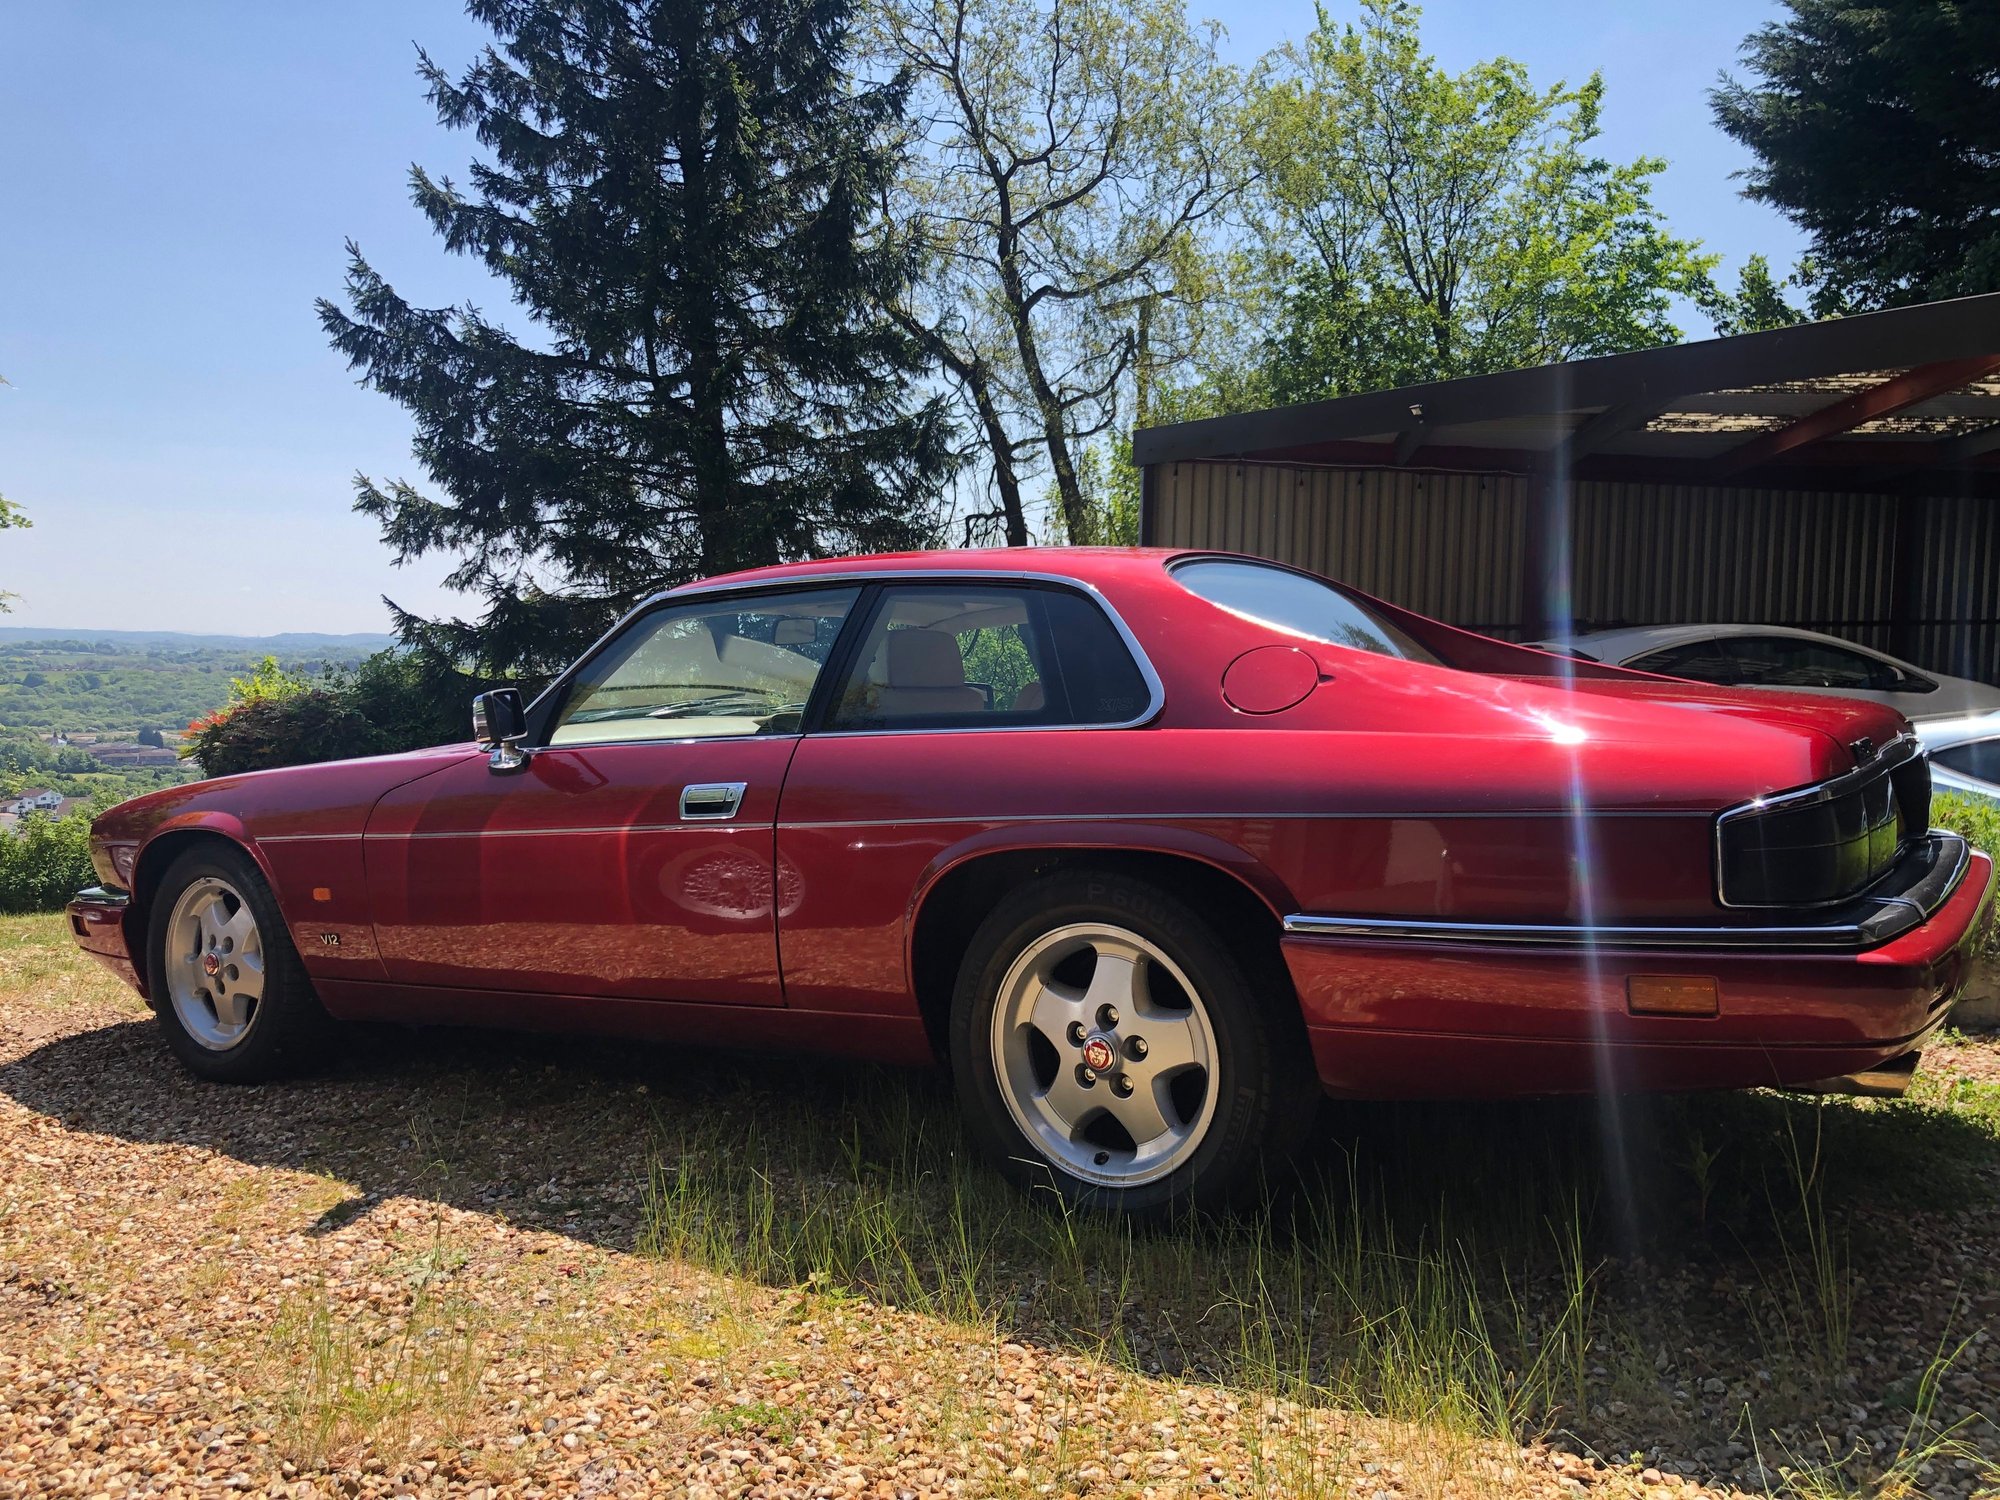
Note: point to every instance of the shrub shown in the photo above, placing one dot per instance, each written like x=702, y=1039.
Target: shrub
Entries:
x=414, y=699
x=293, y=729
x=45, y=863
x=395, y=700
x=1979, y=821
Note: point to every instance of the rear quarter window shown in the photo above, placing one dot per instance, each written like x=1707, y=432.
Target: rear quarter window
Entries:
x=1295, y=604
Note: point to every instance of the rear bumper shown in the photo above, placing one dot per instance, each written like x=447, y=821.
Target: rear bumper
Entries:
x=1440, y=1010
x=97, y=919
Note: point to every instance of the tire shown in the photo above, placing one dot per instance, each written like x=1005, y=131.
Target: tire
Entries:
x=1063, y=1094
x=232, y=998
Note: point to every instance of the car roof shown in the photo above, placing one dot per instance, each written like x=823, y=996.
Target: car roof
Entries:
x=1624, y=644
x=1085, y=563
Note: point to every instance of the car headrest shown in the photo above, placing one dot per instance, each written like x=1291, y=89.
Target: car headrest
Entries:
x=923, y=659
x=1030, y=699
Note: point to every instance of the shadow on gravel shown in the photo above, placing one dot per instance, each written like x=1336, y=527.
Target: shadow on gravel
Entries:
x=1732, y=1264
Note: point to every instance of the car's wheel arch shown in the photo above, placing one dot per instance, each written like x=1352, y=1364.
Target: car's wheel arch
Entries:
x=961, y=885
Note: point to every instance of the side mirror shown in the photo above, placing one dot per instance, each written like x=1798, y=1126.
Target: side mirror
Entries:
x=499, y=723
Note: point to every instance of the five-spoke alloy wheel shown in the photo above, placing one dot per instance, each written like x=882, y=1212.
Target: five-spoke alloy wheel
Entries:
x=1104, y=1054
x=214, y=963
x=1108, y=1044
x=233, y=999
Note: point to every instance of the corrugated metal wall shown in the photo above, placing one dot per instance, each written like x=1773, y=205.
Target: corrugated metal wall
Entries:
x=1958, y=584
x=1450, y=545
x=1661, y=553
x=1445, y=545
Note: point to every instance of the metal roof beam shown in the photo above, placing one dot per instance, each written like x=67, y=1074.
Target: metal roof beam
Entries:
x=1612, y=422
x=1913, y=386
x=1888, y=340
x=1964, y=448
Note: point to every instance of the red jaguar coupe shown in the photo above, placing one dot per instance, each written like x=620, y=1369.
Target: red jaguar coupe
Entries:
x=1150, y=847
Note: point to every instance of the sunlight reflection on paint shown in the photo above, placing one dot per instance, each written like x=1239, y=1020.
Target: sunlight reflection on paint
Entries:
x=1555, y=729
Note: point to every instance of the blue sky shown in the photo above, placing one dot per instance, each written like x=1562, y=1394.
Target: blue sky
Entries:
x=176, y=183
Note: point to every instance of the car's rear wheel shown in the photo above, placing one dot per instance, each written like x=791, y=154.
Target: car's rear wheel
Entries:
x=232, y=998
x=1107, y=1043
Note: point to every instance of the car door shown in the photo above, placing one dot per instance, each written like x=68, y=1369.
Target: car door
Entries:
x=959, y=705
x=632, y=854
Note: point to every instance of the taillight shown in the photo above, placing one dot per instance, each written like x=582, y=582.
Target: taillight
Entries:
x=1824, y=844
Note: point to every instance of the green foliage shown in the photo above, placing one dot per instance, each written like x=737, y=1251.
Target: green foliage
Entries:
x=291, y=729
x=1876, y=126
x=680, y=195
x=1070, y=158
x=106, y=688
x=413, y=699
x=1758, y=302
x=998, y=658
x=45, y=863
x=1419, y=225
x=268, y=681
x=1110, y=488
x=1979, y=821
x=392, y=701
x=11, y=518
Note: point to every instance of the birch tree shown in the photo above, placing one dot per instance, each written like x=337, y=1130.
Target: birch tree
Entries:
x=1067, y=157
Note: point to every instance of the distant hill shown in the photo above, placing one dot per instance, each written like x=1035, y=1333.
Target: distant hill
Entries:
x=114, y=683
x=290, y=643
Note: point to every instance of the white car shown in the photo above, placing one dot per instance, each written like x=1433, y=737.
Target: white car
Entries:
x=1965, y=754
x=1777, y=656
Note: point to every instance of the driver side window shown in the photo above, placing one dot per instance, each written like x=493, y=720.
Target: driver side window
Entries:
x=706, y=669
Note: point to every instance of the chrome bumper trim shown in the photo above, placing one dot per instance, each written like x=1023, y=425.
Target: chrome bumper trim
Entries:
x=103, y=897
x=1932, y=875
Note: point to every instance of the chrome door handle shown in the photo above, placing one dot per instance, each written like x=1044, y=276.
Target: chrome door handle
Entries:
x=712, y=799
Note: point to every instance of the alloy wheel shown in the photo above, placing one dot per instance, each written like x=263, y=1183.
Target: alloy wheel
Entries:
x=214, y=963
x=1105, y=1055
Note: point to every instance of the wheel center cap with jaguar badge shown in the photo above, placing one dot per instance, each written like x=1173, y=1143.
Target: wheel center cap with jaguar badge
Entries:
x=1098, y=1054
x=211, y=965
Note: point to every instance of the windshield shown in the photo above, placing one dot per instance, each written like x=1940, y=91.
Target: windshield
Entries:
x=1297, y=604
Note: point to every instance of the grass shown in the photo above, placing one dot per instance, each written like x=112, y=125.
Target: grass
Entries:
x=39, y=957
x=333, y=1382
x=1455, y=1269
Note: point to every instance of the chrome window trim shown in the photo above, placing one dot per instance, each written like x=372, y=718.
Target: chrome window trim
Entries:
x=1880, y=927
x=1156, y=693
x=1902, y=748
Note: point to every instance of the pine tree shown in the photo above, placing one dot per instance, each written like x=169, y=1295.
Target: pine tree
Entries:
x=1876, y=126
x=678, y=193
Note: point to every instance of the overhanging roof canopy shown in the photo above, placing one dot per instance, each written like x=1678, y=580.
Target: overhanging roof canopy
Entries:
x=1907, y=399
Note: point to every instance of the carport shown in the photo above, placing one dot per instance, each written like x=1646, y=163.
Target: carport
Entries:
x=1841, y=476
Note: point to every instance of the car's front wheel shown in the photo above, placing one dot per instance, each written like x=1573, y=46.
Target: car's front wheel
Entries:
x=1109, y=1044
x=233, y=999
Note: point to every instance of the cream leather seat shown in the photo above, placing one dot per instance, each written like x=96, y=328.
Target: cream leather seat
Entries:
x=923, y=673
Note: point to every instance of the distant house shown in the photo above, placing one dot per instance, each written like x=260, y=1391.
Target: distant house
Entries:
x=40, y=800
